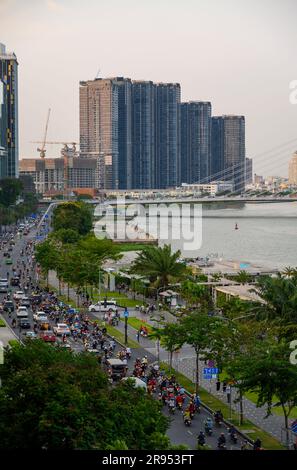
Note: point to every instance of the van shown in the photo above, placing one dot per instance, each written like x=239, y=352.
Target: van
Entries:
x=116, y=368
x=103, y=306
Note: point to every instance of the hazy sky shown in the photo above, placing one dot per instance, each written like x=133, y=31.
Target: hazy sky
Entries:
x=239, y=54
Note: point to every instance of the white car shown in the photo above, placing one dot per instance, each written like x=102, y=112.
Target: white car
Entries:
x=18, y=295
x=61, y=329
x=22, y=312
x=40, y=316
x=103, y=306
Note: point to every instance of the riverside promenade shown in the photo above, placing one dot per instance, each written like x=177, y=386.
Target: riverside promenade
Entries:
x=184, y=362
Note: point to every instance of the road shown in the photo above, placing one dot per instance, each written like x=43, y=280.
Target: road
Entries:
x=178, y=432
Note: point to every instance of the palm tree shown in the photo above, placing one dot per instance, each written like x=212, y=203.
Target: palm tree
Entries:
x=290, y=272
x=160, y=265
x=279, y=295
x=242, y=277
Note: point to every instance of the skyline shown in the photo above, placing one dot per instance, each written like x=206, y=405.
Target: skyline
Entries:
x=54, y=43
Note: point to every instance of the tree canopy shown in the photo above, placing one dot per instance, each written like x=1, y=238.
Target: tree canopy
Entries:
x=73, y=215
x=52, y=398
x=160, y=264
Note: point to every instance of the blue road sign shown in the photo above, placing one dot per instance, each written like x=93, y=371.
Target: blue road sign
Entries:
x=294, y=427
x=210, y=370
x=46, y=216
x=126, y=314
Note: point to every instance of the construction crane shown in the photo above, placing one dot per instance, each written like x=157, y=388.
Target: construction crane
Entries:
x=54, y=143
x=42, y=149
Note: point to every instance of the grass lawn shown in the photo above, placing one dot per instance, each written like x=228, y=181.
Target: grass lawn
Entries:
x=13, y=342
x=253, y=397
x=120, y=298
x=130, y=246
x=136, y=323
x=111, y=330
x=2, y=322
x=214, y=403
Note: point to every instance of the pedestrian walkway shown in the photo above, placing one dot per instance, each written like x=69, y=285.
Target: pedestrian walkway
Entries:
x=184, y=363
x=6, y=334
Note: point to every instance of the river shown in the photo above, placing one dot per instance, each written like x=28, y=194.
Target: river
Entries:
x=266, y=234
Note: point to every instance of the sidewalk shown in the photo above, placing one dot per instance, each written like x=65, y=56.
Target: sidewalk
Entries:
x=6, y=334
x=184, y=363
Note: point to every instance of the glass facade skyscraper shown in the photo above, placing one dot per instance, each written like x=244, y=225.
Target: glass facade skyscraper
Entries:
x=143, y=103
x=228, y=150
x=168, y=157
x=9, y=146
x=195, y=141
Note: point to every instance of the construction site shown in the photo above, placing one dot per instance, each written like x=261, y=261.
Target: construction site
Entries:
x=70, y=172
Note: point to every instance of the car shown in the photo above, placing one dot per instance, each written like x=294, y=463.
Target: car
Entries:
x=22, y=312
x=103, y=306
x=3, y=285
x=39, y=314
x=18, y=295
x=25, y=302
x=61, y=329
x=40, y=317
x=31, y=334
x=48, y=336
x=24, y=323
x=15, y=281
x=8, y=260
x=8, y=305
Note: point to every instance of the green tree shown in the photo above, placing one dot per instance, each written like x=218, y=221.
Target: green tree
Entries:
x=170, y=337
x=279, y=299
x=48, y=256
x=195, y=294
x=160, y=265
x=199, y=330
x=269, y=374
x=73, y=215
x=10, y=190
x=54, y=399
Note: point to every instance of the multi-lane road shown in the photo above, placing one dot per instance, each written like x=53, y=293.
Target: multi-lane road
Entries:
x=178, y=432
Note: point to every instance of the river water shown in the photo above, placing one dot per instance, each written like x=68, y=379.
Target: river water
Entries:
x=266, y=234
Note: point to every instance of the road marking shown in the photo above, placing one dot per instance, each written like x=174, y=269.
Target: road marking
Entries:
x=190, y=433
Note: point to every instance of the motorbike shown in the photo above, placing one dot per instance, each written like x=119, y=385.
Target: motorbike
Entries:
x=208, y=430
x=201, y=440
x=171, y=409
x=187, y=421
x=218, y=420
x=222, y=446
x=180, y=405
x=233, y=437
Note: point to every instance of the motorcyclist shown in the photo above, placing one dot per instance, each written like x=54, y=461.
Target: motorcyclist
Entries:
x=232, y=431
x=257, y=444
x=197, y=401
x=218, y=416
x=187, y=416
x=221, y=440
x=201, y=438
x=171, y=403
x=179, y=401
x=208, y=425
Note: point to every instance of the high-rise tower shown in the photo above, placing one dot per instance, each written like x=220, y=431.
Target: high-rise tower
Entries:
x=9, y=146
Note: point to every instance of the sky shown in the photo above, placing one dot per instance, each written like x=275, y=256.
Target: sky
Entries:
x=238, y=54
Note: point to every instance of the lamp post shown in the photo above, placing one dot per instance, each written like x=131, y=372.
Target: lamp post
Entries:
x=126, y=316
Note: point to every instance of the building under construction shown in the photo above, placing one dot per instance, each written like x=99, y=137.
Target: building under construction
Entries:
x=60, y=175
